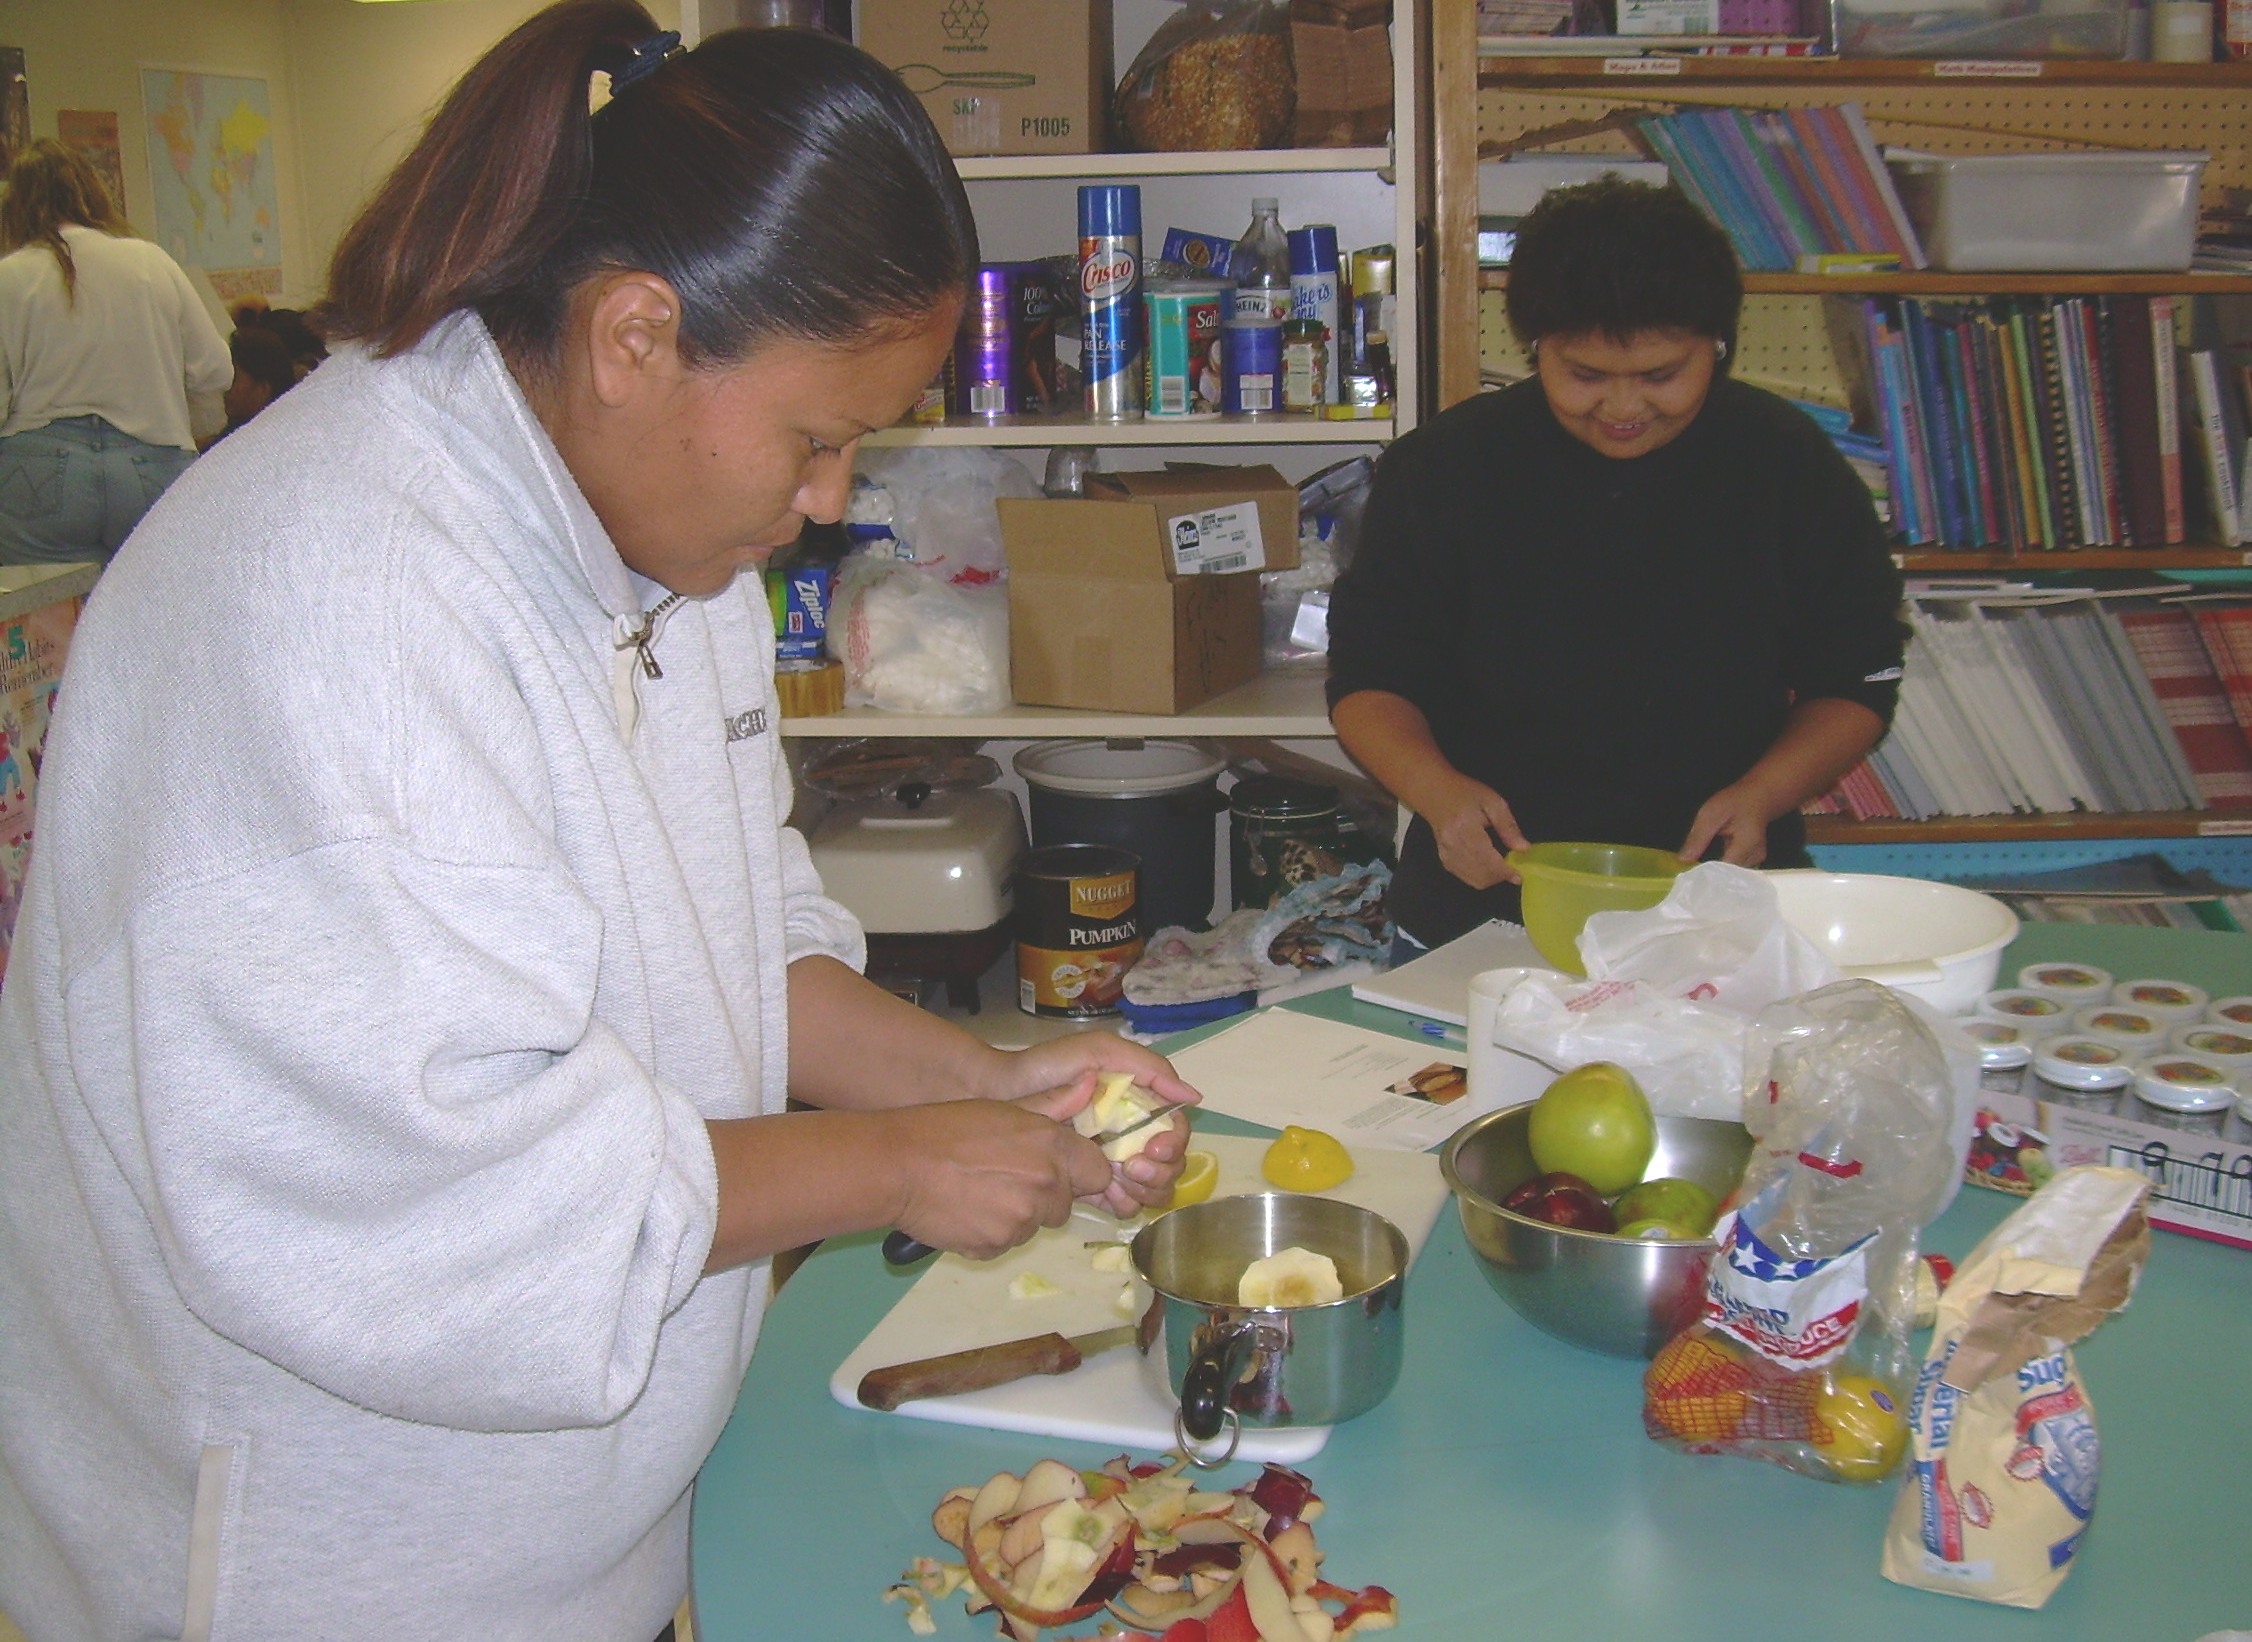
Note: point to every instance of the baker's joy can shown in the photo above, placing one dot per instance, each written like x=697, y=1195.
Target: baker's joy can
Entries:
x=1078, y=929
x=1317, y=292
x=1110, y=309
x=1184, y=346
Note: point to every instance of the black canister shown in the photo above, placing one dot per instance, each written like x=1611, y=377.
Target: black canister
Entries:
x=1284, y=832
x=1159, y=799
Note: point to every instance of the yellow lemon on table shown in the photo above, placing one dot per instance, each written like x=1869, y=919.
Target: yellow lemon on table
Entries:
x=1867, y=1432
x=1306, y=1160
x=1200, y=1172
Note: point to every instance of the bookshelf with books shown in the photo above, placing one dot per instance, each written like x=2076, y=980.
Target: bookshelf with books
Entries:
x=1812, y=335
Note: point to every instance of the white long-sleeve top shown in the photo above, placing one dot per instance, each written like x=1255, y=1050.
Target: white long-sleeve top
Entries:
x=131, y=347
x=371, y=991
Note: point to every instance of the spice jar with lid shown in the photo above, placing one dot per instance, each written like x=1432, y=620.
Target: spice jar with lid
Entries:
x=2228, y=1046
x=1305, y=365
x=2137, y=1033
x=2077, y=984
x=2182, y=1091
x=2004, y=1052
x=2082, y=1073
x=2177, y=1003
x=2239, y=1125
x=2235, y=1013
x=2036, y=1014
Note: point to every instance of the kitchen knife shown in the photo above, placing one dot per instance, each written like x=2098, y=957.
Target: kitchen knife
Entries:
x=902, y=1249
x=984, y=1366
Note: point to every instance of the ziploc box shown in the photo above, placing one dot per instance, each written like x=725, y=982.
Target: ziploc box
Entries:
x=1143, y=596
x=1000, y=76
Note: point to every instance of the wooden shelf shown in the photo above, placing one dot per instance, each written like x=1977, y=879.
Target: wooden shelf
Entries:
x=2076, y=561
x=1273, y=704
x=1631, y=63
x=1932, y=283
x=1235, y=162
x=1151, y=430
x=2030, y=829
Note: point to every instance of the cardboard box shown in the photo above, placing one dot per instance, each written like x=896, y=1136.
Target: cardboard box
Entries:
x=1001, y=76
x=1342, y=50
x=2200, y=1184
x=1143, y=597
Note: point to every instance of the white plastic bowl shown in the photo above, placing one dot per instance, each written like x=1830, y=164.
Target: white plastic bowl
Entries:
x=1938, y=942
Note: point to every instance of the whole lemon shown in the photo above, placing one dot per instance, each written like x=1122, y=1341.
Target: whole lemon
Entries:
x=1866, y=1431
x=1306, y=1160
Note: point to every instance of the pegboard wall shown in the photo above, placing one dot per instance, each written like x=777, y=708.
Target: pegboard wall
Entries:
x=1783, y=345
x=2228, y=859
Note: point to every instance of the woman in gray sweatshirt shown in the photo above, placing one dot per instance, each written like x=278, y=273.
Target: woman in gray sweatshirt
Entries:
x=415, y=962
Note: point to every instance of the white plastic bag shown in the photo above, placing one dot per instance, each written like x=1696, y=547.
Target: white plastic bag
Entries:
x=1688, y=1058
x=1718, y=937
x=942, y=506
x=913, y=643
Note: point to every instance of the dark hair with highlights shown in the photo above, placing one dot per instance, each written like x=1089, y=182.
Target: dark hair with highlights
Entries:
x=1620, y=257
x=51, y=187
x=782, y=181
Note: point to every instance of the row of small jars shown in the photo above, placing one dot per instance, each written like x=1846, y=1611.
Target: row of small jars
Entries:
x=2156, y=1051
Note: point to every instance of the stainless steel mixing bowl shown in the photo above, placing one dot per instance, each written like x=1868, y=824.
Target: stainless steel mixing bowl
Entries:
x=1624, y=1296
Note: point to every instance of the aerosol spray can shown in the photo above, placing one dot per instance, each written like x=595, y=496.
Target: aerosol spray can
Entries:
x=1110, y=300
x=1314, y=292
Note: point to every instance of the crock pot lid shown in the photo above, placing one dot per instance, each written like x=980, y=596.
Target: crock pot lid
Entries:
x=1097, y=769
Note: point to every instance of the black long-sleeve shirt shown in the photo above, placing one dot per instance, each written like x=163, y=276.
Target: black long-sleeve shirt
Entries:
x=1604, y=642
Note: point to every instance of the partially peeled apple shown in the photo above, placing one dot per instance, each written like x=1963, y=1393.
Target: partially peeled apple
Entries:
x=1119, y=1104
x=1290, y=1277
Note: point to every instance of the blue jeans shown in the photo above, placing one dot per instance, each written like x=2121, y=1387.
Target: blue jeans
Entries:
x=75, y=489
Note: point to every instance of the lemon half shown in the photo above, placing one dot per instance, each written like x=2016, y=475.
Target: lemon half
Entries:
x=1306, y=1160
x=1200, y=1172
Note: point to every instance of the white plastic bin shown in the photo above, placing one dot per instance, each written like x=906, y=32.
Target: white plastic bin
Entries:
x=2099, y=211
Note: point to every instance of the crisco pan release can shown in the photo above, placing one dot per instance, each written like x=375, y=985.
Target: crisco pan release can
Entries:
x=1110, y=286
x=1078, y=928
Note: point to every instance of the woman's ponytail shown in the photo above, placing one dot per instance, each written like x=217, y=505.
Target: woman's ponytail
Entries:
x=491, y=188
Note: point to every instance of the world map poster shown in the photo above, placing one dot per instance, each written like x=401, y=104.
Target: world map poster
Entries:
x=211, y=164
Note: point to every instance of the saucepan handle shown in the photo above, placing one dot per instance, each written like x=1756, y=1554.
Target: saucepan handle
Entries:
x=1217, y=1358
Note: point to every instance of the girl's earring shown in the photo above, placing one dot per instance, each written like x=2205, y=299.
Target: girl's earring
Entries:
x=1720, y=347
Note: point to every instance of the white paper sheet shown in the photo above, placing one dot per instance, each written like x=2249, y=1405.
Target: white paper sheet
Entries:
x=1277, y=1067
x=1437, y=985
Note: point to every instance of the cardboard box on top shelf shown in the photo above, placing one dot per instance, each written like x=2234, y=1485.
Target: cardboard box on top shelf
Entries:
x=1342, y=51
x=1001, y=76
x=1143, y=596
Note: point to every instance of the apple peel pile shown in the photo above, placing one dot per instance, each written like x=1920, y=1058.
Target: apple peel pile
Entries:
x=1141, y=1544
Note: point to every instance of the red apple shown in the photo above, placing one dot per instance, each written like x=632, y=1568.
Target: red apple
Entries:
x=1561, y=1199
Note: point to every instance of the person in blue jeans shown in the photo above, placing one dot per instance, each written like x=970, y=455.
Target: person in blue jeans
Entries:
x=102, y=340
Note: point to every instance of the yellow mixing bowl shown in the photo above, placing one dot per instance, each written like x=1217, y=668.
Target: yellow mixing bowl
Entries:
x=1566, y=882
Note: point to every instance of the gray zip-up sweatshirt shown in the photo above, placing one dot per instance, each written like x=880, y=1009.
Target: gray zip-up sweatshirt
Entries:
x=376, y=974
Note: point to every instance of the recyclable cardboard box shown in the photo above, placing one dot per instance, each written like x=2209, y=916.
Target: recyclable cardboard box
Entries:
x=2201, y=1184
x=1143, y=597
x=1001, y=76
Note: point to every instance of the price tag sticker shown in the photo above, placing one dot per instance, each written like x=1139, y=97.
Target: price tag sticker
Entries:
x=1987, y=68
x=1660, y=66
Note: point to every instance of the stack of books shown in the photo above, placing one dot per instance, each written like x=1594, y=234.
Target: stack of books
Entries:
x=2016, y=703
x=1795, y=188
x=2037, y=423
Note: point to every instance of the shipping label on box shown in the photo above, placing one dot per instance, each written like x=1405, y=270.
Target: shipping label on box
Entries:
x=1000, y=76
x=1216, y=539
x=2200, y=1183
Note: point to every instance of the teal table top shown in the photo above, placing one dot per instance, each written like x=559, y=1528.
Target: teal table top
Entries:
x=1505, y=1488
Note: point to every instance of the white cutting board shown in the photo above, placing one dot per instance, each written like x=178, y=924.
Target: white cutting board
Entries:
x=1437, y=984
x=1117, y=1397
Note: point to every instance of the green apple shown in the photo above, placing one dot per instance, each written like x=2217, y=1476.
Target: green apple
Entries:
x=1672, y=1199
x=1594, y=1122
x=1660, y=1231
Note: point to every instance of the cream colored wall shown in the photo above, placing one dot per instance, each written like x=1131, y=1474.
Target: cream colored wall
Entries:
x=89, y=53
x=367, y=78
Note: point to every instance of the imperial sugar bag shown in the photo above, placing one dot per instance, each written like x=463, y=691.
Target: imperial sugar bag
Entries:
x=2003, y=1436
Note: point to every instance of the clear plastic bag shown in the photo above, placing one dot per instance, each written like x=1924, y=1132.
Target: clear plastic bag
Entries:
x=1216, y=75
x=1802, y=1355
x=1717, y=938
x=939, y=503
x=912, y=642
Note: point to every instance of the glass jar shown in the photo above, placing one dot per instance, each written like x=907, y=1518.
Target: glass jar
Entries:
x=2235, y=1013
x=2227, y=1046
x=2083, y=1073
x=2077, y=984
x=2036, y=1014
x=2182, y=1091
x=1305, y=365
x=2239, y=1125
x=2004, y=1052
x=2177, y=1003
x=2138, y=1033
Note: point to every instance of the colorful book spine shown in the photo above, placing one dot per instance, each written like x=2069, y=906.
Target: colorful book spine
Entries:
x=2164, y=360
x=1834, y=165
x=1880, y=181
x=2197, y=708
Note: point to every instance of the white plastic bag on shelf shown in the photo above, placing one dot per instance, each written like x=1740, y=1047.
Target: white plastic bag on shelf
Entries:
x=1718, y=937
x=1689, y=1058
x=941, y=506
x=911, y=642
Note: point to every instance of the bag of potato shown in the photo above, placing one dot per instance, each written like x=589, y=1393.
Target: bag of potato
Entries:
x=1801, y=1357
x=1216, y=75
x=2004, y=1477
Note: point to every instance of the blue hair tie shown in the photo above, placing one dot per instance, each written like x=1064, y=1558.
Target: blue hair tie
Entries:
x=643, y=60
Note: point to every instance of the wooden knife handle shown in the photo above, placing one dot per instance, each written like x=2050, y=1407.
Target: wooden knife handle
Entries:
x=971, y=1370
